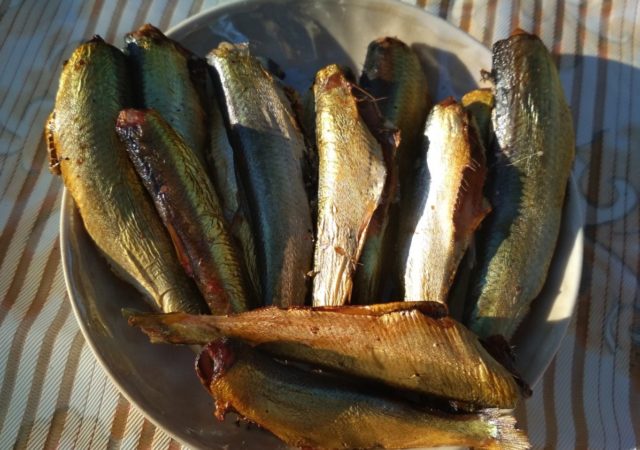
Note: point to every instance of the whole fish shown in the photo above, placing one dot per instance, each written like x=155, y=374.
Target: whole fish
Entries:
x=170, y=79
x=233, y=199
x=189, y=207
x=311, y=411
x=535, y=148
x=115, y=209
x=351, y=179
x=412, y=346
x=454, y=205
x=269, y=149
x=393, y=76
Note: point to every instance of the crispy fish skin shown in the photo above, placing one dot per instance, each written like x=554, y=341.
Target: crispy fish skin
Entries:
x=233, y=200
x=189, y=207
x=95, y=169
x=351, y=179
x=535, y=147
x=310, y=411
x=454, y=205
x=392, y=74
x=165, y=75
x=269, y=149
x=412, y=346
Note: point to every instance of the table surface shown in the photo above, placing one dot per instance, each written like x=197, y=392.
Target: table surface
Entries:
x=53, y=392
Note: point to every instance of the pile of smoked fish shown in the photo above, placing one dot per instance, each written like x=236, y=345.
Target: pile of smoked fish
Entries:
x=314, y=243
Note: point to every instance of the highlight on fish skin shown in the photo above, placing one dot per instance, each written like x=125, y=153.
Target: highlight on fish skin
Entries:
x=351, y=179
x=308, y=410
x=189, y=207
x=534, y=151
x=269, y=148
x=115, y=210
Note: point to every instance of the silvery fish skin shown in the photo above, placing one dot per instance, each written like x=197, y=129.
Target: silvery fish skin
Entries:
x=269, y=151
x=115, y=209
x=454, y=205
x=168, y=78
x=311, y=411
x=411, y=346
x=189, y=207
x=535, y=147
x=351, y=179
x=233, y=200
x=393, y=75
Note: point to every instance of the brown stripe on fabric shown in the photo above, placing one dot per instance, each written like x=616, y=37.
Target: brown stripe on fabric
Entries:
x=537, y=17
x=465, y=18
x=515, y=14
x=174, y=445
x=582, y=307
x=141, y=15
x=196, y=6
x=548, y=397
x=119, y=423
x=421, y=3
x=22, y=268
x=64, y=395
x=146, y=435
x=40, y=373
x=112, y=29
x=634, y=356
x=594, y=184
x=556, y=44
x=443, y=11
x=167, y=14
x=20, y=335
x=487, y=35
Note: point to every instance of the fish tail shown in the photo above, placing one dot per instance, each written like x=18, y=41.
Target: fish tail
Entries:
x=506, y=435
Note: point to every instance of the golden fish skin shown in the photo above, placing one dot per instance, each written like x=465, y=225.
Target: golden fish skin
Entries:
x=224, y=176
x=351, y=179
x=535, y=147
x=269, y=148
x=115, y=210
x=454, y=205
x=411, y=346
x=189, y=207
x=166, y=76
x=311, y=411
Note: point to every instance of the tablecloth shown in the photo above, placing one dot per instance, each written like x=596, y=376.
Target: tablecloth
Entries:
x=53, y=392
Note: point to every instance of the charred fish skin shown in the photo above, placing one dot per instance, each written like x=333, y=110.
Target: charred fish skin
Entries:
x=480, y=103
x=454, y=207
x=307, y=410
x=189, y=207
x=233, y=200
x=351, y=179
x=535, y=147
x=269, y=149
x=167, y=78
x=115, y=210
x=411, y=346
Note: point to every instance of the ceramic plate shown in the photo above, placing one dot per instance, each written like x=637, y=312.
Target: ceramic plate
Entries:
x=302, y=37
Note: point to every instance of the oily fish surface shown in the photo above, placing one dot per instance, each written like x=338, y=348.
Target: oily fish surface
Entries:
x=534, y=152
x=270, y=148
x=350, y=183
x=117, y=214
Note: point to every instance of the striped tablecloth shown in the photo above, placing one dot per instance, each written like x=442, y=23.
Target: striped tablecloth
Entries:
x=54, y=394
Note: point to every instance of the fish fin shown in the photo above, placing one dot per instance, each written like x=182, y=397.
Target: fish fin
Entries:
x=183, y=256
x=506, y=435
x=50, y=141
